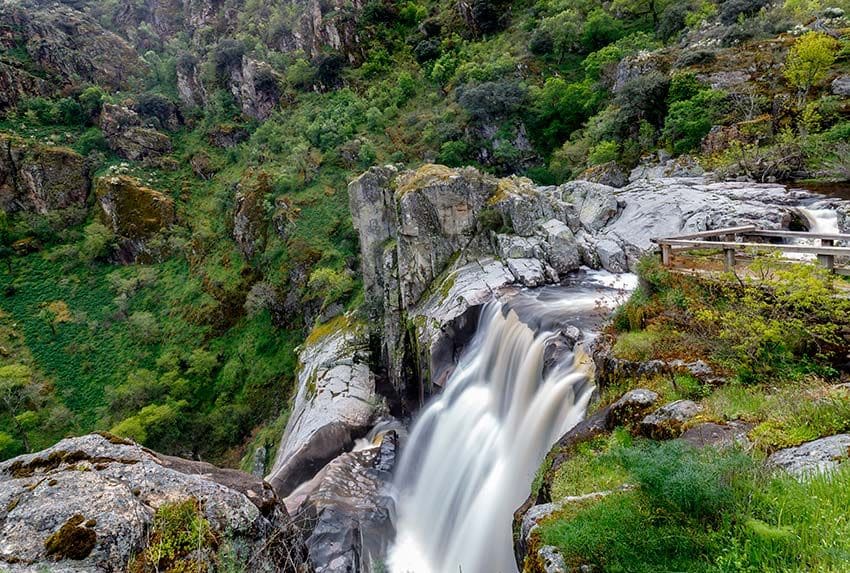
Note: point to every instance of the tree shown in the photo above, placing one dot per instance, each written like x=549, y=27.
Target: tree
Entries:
x=808, y=62
x=56, y=312
x=17, y=393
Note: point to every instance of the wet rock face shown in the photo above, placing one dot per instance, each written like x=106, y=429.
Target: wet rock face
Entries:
x=122, y=128
x=335, y=404
x=135, y=213
x=350, y=504
x=87, y=504
x=812, y=458
x=40, y=179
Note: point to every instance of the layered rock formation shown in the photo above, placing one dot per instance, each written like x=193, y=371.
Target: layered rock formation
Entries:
x=40, y=179
x=122, y=127
x=65, y=46
x=88, y=504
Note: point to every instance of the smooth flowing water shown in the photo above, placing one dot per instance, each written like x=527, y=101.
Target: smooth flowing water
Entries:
x=473, y=452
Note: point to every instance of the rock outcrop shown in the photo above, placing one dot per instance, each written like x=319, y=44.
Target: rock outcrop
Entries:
x=123, y=130
x=88, y=504
x=812, y=458
x=133, y=212
x=334, y=471
x=40, y=179
x=335, y=403
x=255, y=86
x=64, y=46
x=437, y=242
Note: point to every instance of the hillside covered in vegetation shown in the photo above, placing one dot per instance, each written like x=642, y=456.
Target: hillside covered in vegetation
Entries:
x=173, y=174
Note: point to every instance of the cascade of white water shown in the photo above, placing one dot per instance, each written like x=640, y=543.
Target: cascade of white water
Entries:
x=473, y=452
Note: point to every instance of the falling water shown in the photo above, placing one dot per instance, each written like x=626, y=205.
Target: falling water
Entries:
x=473, y=452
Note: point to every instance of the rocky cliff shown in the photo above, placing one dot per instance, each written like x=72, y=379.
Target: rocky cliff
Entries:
x=59, y=45
x=39, y=179
x=436, y=242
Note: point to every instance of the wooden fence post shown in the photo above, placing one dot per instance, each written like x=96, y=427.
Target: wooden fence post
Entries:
x=827, y=261
x=729, y=259
x=666, y=254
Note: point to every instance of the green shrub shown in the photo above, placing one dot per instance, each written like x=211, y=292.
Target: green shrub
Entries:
x=330, y=285
x=603, y=152
x=179, y=531
x=688, y=122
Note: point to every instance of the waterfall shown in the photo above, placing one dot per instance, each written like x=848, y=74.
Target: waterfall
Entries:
x=821, y=220
x=473, y=452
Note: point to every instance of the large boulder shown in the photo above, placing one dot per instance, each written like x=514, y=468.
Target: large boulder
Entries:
x=669, y=420
x=123, y=130
x=40, y=179
x=133, y=212
x=816, y=457
x=350, y=506
x=88, y=504
x=335, y=404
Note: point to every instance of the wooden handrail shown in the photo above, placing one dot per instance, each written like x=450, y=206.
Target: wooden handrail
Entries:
x=826, y=251
x=799, y=234
x=810, y=249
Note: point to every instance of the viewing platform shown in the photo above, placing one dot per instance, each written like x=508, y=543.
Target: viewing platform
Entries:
x=736, y=241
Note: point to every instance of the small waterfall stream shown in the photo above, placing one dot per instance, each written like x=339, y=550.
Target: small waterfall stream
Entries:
x=473, y=452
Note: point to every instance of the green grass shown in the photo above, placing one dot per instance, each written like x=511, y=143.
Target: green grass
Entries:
x=716, y=511
x=591, y=468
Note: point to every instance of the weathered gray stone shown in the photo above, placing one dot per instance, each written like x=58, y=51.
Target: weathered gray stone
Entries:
x=563, y=254
x=717, y=435
x=118, y=485
x=528, y=272
x=122, y=128
x=611, y=256
x=841, y=86
x=514, y=247
x=669, y=420
x=631, y=406
x=596, y=203
x=335, y=403
x=349, y=503
x=40, y=179
x=552, y=560
x=816, y=457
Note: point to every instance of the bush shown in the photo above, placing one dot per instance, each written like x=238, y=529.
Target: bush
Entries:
x=92, y=140
x=599, y=30
x=492, y=100
x=641, y=99
x=809, y=61
x=454, y=153
x=330, y=285
x=732, y=10
x=603, y=153
x=688, y=122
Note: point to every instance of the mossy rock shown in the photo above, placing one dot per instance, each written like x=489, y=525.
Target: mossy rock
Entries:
x=132, y=210
x=74, y=540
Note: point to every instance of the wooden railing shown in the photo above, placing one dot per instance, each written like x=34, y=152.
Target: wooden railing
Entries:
x=727, y=240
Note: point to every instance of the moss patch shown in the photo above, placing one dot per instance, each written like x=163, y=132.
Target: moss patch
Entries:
x=74, y=540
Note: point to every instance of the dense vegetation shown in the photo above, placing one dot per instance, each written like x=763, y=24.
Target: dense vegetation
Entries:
x=190, y=351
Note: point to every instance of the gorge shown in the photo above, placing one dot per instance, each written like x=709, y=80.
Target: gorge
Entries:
x=374, y=286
